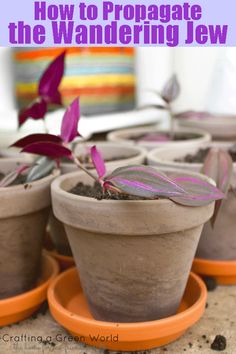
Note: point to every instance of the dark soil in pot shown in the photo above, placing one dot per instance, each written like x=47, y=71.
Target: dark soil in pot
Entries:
x=96, y=192
x=21, y=179
x=201, y=154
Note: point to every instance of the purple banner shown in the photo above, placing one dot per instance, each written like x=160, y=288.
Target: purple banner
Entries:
x=170, y=23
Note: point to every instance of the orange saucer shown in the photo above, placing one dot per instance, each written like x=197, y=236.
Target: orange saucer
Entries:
x=20, y=307
x=69, y=307
x=65, y=262
x=223, y=271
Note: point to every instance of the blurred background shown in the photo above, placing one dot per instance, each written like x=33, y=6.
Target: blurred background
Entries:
x=113, y=82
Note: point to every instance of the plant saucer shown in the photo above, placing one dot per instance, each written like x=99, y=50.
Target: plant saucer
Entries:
x=224, y=272
x=65, y=262
x=20, y=307
x=68, y=306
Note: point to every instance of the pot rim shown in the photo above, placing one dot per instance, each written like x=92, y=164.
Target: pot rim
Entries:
x=19, y=187
x=153, y=155
x=118, y=135
x=141, y=151
x=218, y=120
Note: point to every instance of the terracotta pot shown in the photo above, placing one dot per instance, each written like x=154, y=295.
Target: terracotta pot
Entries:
x=58, y=236
x=133, y=257
x=219, y=242
x=23, y=217
x=125, y=135
x=221, y=127
x=131, y=155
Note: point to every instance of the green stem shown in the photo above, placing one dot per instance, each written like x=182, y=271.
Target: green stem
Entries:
x=78, y=164
x=172, y=123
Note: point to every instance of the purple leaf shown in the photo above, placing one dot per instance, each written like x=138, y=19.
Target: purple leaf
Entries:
x=36, y=110
x=194, y=115
x=51, y=79
x=211, y=164
x=98, y=162
x=171, y=90
x=199, y=192
x=52, y=150
x=219, y=166
x=56, y=99
x=69, y=127
x=35, y=138
x=11, y=177
x=143, y=181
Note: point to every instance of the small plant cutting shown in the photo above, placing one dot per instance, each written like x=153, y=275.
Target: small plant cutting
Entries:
x=48, y=95
x=25, y=196
x=216, y=160
x=218, y=165
x=119, y=224
x=217, y=241
x=48, y=92
x=153, y=137
x=168, y=94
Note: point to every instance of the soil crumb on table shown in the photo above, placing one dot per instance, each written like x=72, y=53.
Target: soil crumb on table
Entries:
x=210, y=283
x=219, y=343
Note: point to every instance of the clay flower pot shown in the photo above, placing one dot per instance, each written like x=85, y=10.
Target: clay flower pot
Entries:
x=23, y=217
x=129, y=135
x=220, y=127
x=133, y=257
x=218, y=243
x=122, y=155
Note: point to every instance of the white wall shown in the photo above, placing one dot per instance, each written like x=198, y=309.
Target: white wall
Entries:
x=195, y=68
x=153, y=67
x=7, y=101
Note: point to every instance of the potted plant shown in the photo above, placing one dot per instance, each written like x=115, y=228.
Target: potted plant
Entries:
x=220, y=126
x=48, y=97
x=25, y=199
x=114, y=156
x=132, y=246
x=152, y=137
x=25, y=204
x=217, y=160
x=25, y=195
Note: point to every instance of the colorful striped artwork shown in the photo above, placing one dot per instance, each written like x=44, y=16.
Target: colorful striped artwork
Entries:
x=104, y=78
